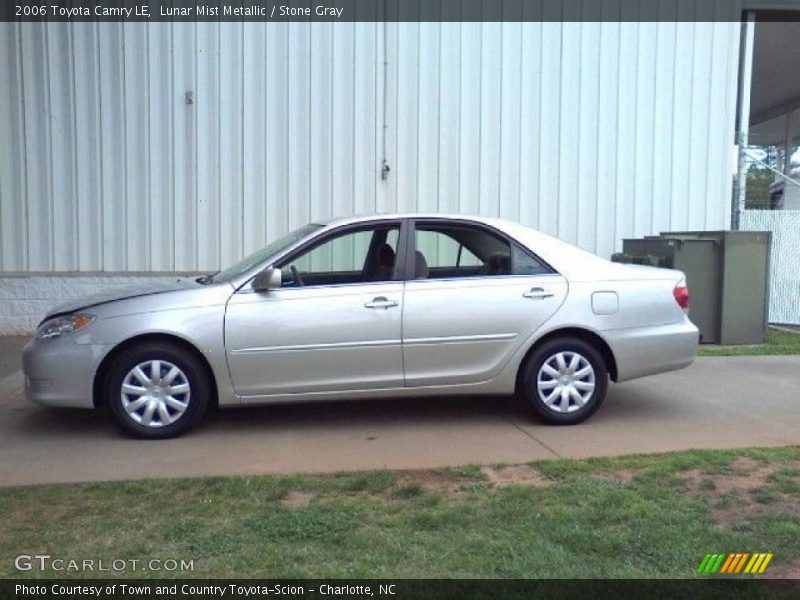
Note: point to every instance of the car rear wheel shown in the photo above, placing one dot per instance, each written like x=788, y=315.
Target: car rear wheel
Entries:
x=565, y=381
x=156, y=390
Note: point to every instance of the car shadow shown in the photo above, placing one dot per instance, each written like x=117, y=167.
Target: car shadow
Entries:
x=80, y=423
x=368, y=412
x=65, y=422
x=624, y=404
x=631, y=401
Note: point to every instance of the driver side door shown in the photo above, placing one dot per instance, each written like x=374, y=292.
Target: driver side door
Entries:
x=334, y=325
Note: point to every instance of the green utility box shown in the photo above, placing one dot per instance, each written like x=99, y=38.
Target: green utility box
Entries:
x=728, y=277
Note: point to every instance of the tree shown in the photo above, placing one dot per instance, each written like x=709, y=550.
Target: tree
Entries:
x=757, y=192
x=759, y=178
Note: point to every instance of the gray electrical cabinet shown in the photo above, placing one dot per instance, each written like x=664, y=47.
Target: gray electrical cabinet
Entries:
x=728, y=277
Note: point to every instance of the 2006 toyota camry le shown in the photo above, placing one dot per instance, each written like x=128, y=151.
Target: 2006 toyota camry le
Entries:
x=369, y=307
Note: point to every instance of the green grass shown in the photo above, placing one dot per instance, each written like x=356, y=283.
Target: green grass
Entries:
x=635, y=516
x=778, y=342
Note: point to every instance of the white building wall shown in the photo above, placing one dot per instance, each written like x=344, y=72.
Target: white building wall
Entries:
x=590, y=131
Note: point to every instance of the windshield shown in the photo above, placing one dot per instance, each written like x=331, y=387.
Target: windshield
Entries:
x=271, y=249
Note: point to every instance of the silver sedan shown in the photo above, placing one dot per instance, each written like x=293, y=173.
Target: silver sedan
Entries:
x=369, y=307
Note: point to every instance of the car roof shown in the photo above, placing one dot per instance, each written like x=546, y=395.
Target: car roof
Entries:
x=408, y=215
x=511, y=228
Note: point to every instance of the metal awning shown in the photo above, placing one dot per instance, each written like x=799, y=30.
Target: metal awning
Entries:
x=775, y=91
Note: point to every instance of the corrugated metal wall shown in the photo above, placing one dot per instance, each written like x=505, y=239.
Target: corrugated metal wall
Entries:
x=784, y=271
x=591, y=131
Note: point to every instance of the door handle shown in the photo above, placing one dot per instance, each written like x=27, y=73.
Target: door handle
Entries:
x=380, y=302
x=537, y=293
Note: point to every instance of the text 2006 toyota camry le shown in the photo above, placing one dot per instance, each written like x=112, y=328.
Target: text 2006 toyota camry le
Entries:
x=390, y=305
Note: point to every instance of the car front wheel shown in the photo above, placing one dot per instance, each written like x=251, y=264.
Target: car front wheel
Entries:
x=156, y=390
x=565, y=381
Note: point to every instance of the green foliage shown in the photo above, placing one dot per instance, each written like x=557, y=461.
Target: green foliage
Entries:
x=778, y=342
x=757, y=192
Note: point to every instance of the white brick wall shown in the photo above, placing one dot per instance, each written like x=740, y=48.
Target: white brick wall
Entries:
x=25, y=297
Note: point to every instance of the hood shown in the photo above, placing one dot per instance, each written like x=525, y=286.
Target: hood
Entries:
x=122, y=293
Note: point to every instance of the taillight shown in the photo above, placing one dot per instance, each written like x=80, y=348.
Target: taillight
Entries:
x=681, y=295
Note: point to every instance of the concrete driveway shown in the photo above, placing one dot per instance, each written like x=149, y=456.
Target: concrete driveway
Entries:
x=716, y=403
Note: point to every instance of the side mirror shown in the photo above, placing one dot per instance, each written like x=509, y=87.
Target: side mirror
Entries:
x=268, y=279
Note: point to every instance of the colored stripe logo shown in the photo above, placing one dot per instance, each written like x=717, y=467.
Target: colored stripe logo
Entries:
x=735, y=562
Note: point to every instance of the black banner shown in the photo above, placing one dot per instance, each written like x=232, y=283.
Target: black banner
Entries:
x=377, y=10
x=253, y=589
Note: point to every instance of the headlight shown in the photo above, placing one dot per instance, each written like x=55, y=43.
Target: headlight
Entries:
x=63, y=325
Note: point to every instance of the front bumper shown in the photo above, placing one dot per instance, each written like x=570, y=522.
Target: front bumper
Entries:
x=60, y=372
x=642, y=351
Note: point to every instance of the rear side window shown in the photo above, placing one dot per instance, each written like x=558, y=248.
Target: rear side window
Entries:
x=525, y=264
x=444, y=252
x=448, y=251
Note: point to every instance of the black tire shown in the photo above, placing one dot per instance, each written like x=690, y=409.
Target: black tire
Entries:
x=192, y=372
x=528, y=385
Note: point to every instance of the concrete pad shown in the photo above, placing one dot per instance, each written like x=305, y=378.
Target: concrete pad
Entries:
x=716, y=403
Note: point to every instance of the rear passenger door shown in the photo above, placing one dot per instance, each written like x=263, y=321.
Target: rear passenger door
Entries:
x=472, y=298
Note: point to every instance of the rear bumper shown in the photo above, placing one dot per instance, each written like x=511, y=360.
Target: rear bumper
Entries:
x=645, y=351
x=59, y=372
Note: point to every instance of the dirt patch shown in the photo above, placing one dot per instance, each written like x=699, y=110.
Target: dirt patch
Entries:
x=744, y=465
x=724, y=484
x=789, y=570
x=516, y=475
x=621, y=477
x=732, y=496
x=626, y=475
x=297, y=499
x=452, y=484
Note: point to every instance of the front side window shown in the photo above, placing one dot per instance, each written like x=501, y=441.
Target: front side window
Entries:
x=450, y=251
x=360, y=256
